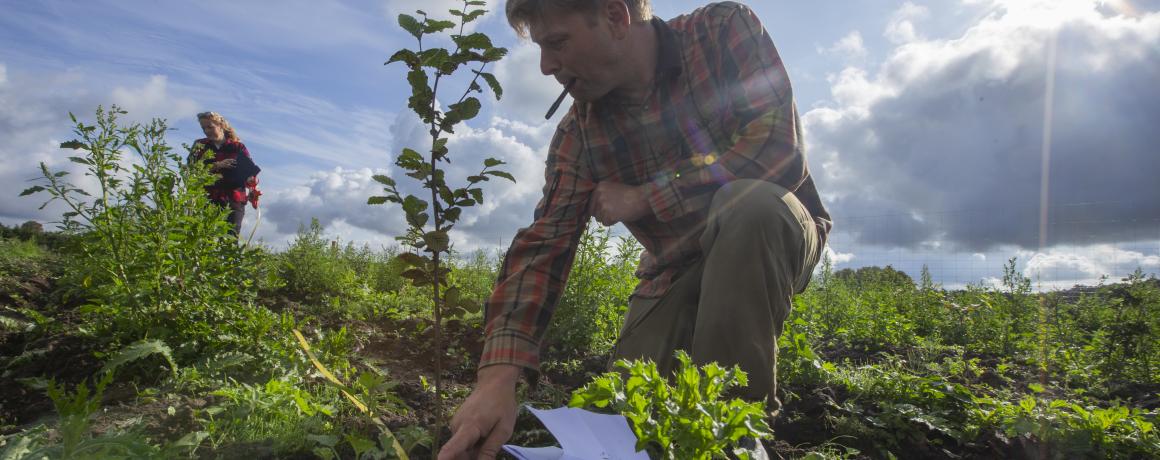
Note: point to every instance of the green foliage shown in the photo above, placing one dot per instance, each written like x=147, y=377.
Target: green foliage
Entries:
x=429, y=222
x=151, y=257
x=138, y=351
x=278, y=410
x=72, y=437
x=588, y=318
x=690, y=420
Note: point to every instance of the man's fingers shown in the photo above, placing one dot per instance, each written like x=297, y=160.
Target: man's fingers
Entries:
x=461, y=440
x=490, y=448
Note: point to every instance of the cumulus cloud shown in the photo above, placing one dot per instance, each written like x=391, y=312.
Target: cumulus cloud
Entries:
x=901, y=27
x=337, y=198
x=1086, y=264
x=849, y=47
x=333, y=196
x=942, y=142
x=528, y=93
x=154, y=99
x=34, y=121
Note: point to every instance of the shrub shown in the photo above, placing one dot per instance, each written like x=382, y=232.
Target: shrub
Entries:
x=151, y=256
x=590, y=313
x=688, y=421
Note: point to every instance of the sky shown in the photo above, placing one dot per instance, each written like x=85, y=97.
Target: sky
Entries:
x=951, y=134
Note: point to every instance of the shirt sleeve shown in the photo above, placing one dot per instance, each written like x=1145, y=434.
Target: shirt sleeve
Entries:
x=537, y=264
x=767, y=141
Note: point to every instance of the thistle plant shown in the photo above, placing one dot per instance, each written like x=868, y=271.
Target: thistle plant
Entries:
x=430, y=220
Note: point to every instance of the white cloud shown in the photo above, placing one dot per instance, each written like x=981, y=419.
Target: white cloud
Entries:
x=838, y=258
x=153, y=99
x=1086, y=263
x=528, y=93
x=951, y=130
x=901, y=28
x=850, y=47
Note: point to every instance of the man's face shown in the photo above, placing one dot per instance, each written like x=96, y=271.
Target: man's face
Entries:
x=578, y=46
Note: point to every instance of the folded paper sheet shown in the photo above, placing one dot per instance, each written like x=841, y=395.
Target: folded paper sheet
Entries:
x=582, y=435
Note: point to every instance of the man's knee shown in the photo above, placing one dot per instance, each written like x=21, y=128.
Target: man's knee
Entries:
x=752, y=204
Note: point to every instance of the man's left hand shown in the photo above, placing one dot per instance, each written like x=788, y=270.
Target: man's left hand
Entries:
x=614, y=202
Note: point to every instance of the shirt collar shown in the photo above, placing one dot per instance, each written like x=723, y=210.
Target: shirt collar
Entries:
x=668, y=53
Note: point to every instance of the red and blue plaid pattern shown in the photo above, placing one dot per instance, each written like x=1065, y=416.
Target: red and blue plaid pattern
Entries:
x=721, y=109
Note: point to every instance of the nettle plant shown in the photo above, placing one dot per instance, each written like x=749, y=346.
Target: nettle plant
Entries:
x=152, y=257
x=430, y=219
x=691, y=420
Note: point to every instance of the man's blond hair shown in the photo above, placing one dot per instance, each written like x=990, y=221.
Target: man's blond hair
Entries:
x=522, y=13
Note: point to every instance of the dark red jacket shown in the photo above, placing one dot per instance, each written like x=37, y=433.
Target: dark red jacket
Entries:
x=231, y=183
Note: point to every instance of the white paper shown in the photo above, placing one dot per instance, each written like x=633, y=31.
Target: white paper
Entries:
x=582, y=435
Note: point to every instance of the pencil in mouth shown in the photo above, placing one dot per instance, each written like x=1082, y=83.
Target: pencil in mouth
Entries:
x=556, y=105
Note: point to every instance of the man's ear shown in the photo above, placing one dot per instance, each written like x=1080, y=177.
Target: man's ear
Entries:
x=615, y=12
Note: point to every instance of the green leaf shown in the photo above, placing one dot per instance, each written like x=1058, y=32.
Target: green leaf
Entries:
x=492, y=162
x=501, y=174
x=139, y=350
x=437, y=241
x=411, y=25
x=75, y=145
x=451, y=297
x=434, y=26
x=418, y=277
x=410, y=159
x=494, y=54
x=412, y=259
x=465, y=110
x=452, y=214
x=377, y=200
x=477, y=194
x=493, y=83
x=405, y=56
x=476, y=40
x=384, y=180
x=31, y=190
x=436, y=58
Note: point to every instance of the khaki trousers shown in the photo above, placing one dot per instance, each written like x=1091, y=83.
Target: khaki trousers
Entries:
x=759, y=248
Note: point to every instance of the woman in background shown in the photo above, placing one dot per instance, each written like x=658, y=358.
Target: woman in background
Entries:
x=227, y=157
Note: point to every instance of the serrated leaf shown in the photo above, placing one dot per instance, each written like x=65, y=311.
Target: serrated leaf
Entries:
x=385, y=180
x=412, y=259
x=434, y=26
x=502, y=174
x=451, y=297
x=476, y=40
x=492, y=162
x=437, y=241
x=470, y=306
x=139, y=350
x=31, y=190
x=452, y=214
x=418, y=277
x=493, y=83
x=411, y=25
x=405, y=56
x=494, y=54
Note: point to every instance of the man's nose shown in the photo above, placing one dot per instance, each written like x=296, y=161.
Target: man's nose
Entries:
x=549, y=65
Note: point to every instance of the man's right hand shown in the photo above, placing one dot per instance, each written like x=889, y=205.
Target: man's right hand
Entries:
x=485, y=420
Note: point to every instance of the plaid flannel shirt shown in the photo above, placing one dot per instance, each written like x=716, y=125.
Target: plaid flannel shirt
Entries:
x=721, y=109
